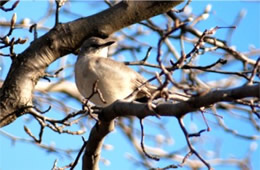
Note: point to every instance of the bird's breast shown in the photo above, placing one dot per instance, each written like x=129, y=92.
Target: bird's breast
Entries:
x=112, y=81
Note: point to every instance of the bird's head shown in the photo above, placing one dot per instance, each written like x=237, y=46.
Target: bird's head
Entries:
x=96, y=47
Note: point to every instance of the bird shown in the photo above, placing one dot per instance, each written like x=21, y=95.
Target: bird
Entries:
x=113, y=79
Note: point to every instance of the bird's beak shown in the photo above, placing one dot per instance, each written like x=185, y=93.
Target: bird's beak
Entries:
x=108, y=43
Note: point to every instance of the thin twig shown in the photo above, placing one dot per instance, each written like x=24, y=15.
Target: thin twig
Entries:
x=192, y=150
x=79, y=154
x=254, y=72
x=142, y=143
x=11, y=8
x=33, y=28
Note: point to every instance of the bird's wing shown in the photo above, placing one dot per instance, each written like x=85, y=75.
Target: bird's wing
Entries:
x=145, y=89
x=138, y=81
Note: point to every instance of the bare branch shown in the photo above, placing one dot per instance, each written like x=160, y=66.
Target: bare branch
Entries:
x=79, y=154
x=122, y=108
x=94, y=144
x=192, y=150
x=8, y=9
x=142, y=143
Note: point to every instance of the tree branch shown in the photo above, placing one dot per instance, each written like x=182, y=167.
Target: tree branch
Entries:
x=94, y=144
x=141, y=110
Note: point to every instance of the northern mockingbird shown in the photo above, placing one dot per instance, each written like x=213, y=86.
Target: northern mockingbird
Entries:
x=114, y=79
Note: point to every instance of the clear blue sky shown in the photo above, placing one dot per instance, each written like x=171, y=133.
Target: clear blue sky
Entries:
x=24, y=156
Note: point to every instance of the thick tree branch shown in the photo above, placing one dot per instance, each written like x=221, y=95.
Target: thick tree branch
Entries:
x=122, y=108
x=30, y=65
x=94, y=144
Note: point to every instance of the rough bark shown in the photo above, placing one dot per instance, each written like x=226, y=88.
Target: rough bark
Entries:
x=29, y=66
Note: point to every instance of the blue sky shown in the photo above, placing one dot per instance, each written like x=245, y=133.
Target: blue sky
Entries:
x=24, y=156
